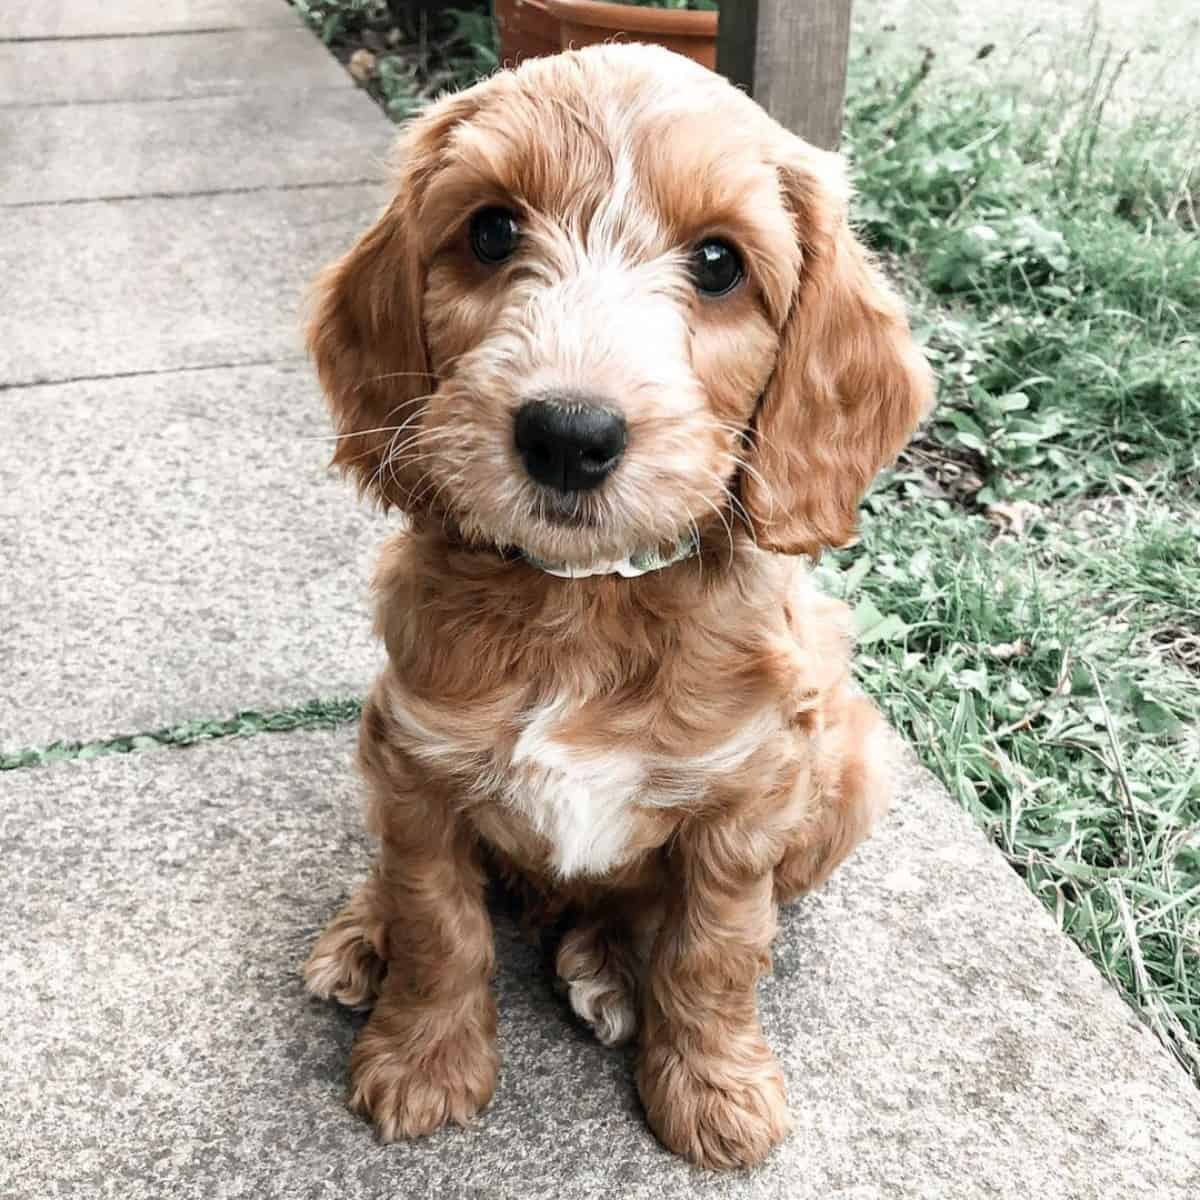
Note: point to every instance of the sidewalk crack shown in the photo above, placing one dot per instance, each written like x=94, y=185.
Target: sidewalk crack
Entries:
x=313, y=714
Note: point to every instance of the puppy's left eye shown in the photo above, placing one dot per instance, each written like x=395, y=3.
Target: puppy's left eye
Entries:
x=716, y=267
x=494, y=235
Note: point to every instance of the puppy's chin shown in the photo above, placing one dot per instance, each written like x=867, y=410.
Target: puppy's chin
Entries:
x=572, y=542
x=566, y=510
x=571, y=535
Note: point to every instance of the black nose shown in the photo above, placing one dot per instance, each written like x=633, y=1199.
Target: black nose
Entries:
x=570, y=445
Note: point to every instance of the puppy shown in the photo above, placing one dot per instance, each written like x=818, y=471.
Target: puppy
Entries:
x=615, y=352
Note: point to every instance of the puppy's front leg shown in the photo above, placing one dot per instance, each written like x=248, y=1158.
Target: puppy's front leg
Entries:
x=427, y=1056
x=712, y=1089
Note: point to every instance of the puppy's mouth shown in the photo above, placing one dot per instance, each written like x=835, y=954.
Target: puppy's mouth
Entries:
x=565, y=510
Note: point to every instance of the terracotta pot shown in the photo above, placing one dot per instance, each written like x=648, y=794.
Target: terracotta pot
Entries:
x=586, y=22
x=526, y=29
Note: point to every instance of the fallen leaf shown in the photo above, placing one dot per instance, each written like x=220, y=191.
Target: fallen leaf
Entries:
x=362, y=65
x=1003, y=651
x=1012, y=516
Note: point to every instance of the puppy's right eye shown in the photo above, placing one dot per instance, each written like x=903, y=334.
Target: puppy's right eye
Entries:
x=716, y=267
x=494, y=235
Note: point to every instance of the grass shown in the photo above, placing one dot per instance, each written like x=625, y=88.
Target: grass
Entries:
x=1027, y=584
x=1028, y=579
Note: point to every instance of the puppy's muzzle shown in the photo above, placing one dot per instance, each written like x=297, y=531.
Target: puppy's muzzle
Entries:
x=569, y=445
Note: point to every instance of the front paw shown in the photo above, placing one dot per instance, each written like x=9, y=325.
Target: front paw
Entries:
x=715, y=1111
x=411, y=1077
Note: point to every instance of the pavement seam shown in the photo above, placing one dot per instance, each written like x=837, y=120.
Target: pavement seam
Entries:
x=201, y=194
x=313, y=714
x=148, y=33
x=295, y=360
x=221, y=93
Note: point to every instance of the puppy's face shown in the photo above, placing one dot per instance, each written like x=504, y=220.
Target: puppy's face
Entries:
x=612, y=304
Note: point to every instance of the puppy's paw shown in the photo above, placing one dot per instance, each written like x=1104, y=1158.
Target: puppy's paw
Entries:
x=715, y=1112
x=600, y=983
x=604, y=1004
x=409, y=1087
x=344, y=964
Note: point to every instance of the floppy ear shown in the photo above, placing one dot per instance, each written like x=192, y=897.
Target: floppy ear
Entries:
x=366, y=335
x=849, y=384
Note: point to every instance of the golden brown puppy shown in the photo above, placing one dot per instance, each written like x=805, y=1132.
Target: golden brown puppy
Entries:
x=615, y=351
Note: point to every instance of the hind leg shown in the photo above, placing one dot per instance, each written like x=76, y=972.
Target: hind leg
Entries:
x=600, y=963
x=851, y=777
x=347, y=963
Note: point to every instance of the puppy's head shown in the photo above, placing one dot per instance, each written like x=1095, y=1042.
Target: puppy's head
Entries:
x=612, y=302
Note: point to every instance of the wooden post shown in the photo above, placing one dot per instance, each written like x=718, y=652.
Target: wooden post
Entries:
x=790, y=55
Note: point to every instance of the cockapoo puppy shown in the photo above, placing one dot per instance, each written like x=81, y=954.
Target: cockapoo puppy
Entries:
x=615, y=351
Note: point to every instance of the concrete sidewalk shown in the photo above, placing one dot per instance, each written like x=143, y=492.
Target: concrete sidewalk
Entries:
x=940, y=1038
x=172, y=549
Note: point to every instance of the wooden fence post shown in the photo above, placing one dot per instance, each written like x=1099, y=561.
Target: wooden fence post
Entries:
x=790, y=55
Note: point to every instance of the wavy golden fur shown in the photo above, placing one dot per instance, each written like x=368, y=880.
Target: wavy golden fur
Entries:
x=658, y=761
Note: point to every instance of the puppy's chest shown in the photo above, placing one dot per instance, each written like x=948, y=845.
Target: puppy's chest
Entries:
x=584, y=802
x=591, y=805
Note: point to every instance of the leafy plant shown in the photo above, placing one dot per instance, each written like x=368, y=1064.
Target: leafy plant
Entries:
x=316, y=714
x=406, y=52
x=1028, y=581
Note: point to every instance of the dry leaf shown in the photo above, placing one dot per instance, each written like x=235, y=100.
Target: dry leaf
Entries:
x=362, y=65
x=1003, y=651
x=1012, y=517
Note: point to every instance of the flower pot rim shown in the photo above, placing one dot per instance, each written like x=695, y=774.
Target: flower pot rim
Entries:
x=634, y=19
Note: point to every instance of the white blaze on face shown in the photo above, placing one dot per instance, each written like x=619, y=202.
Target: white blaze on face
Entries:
x=609, y=314
x=614, y=327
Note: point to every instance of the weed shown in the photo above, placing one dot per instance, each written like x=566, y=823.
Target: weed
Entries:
x=1036, y=676
x=1047, y=669
x=316, y=714
x=406, y=52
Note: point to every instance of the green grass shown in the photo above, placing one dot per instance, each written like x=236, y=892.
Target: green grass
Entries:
x=1027, y=584
x=1029, y=577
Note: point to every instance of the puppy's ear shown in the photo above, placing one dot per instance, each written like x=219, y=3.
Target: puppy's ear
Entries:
x=849, y=384
x=366, y=333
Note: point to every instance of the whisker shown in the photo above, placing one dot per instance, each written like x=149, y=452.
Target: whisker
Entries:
x=766, y=487
x=393, y=447
x=695, y=529
x=724, y=523
x=454, y=477
x=410, y=374
x=338, y=437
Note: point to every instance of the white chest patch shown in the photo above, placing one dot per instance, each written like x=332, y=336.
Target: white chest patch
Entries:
x=581, y=803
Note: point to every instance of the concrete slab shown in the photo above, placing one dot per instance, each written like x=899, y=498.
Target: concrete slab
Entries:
x=86, y=18
x=940, y=1038
x=165, y=147
x=150, y=285
x=167, y=67
x=173, y=548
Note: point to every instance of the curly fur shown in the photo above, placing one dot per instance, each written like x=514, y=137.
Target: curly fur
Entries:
x=660, y=761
